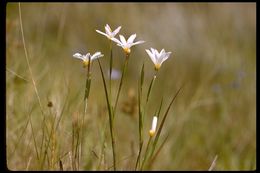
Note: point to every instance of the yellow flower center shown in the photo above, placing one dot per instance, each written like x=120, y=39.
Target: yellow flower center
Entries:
x=157, y=66
x=151, y=133
x=127, y=50
x=85, y=63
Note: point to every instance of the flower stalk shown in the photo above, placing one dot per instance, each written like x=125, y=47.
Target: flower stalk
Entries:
x=110, y=113
x=121, y=82
x=140, y=111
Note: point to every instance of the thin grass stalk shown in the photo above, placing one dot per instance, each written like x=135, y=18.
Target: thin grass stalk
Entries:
x=119, y=161
x=102, y=155
x=71, y=162
x=213, y=164
x=160, y=108
x=49, y=139
x=143, y=112
x=17, y=75
x=28, y=164
x=140, y=111
x=86, y=96
x=34, y=141
x=121, y=82
x=150, y=87
x=20, y=137
x=110, y=67
x=31, y=74
x=75, y=142
x=62, y=111
x=148, y=145
x=157, y=113
x=110, y=113
x=27, y=59
x=72, y=147
x=77, y=148
x=163, y=120
x=146, y=152
x=60, y=165
x=152, y=159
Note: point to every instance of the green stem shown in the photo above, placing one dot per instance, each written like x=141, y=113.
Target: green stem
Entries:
x=146, y=152
x=163, y=120
x=140, y=89
x=110, y=117
x=110, y=67
x=142, y=113
x=151, y=86
x=121, y=82
x=88, y=81
x=148, y=94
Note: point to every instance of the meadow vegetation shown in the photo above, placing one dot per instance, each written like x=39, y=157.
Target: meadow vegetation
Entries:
x=213, y=49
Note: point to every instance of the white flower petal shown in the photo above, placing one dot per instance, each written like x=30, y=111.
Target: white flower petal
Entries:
x=166, y=56
x=78, y=55
x=153, y=51
x=117, y=41
x=108, y=29
x=96, y=55
x=131, y=39
x=102, y=33
x=154, y=123
x=123, y=41
x=162, y=52
x=116, y=31
x=139, y=42
x=151, y=55
x=157, y=54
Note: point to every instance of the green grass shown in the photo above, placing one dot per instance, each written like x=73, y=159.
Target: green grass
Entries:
x=213, y=52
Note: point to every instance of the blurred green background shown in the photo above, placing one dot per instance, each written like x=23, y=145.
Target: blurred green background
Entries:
x=213, y=49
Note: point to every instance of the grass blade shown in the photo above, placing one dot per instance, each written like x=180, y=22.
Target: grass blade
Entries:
x=110, y=116
x=121, y=82
x=152, y=159
x=163, y=120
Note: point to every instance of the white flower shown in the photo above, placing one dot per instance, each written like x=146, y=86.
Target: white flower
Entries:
x=109, y=33
x=87, y=57
x=126, y=45
x=158, y=58
x=154, y=124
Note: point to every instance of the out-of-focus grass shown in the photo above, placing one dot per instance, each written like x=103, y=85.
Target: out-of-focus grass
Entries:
x=213, y=51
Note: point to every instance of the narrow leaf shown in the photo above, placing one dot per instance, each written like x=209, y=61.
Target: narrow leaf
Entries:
x=163, y=120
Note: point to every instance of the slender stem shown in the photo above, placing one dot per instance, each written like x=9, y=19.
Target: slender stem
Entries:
x=72, y=146
x=32, y=78
x=27, y=60
x=163, y=120
x=110, y=67
x=146, y=152
x=140, y=141
x=37, y=154
x=152, y=159
x=110, y=113
x=151, y=86
x=213, y=163
x=139, y=154
x=148, y=94
x=88, y=81
x=121, y=82
x=86, y=95
x=142, y=113
x=140, y=88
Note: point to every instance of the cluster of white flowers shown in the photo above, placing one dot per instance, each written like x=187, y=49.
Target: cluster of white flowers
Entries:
x=156, y=57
